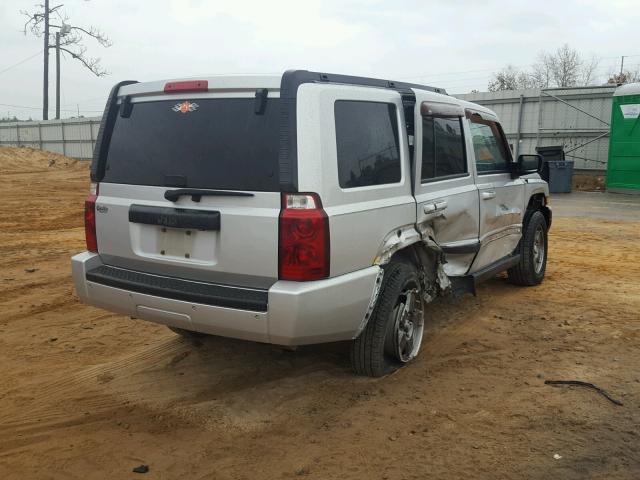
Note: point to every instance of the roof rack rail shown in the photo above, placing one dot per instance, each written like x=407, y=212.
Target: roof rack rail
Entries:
x=295, y=78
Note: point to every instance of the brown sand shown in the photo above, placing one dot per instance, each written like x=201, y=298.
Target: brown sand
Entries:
x=89, y=394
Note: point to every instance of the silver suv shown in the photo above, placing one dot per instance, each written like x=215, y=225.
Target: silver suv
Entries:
x=304, y=208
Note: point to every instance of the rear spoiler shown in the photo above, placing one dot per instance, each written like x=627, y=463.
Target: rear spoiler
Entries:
x=104, y=134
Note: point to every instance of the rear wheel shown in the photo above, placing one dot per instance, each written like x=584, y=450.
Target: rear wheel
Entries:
x=394, y=332
x=533, y=253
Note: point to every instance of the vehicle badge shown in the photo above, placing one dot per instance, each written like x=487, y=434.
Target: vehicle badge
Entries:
x=185, y=107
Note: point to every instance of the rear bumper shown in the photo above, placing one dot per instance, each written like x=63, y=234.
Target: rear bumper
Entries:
x=295, y=313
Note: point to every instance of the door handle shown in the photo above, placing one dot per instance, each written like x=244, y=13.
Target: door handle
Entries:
x=442, y=205
x=429, y=208
x=434, y=207
x=487, y=195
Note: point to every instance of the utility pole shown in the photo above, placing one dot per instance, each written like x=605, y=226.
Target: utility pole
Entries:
x=64, y=30
x=45, y=87
x=68, y=39
x=57, y=75
x=621, y=66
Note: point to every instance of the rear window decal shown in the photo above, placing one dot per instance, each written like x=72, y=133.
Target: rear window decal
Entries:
x=185, y=107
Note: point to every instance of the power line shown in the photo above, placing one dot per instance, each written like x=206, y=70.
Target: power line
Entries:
x=87, y=100
x=21, y=62
x=38, y=108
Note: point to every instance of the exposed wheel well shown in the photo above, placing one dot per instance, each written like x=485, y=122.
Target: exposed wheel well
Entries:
x=537, y=202
x=428, y=262
x=407, y=255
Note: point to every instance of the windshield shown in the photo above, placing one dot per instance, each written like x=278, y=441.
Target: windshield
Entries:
x=205, y=143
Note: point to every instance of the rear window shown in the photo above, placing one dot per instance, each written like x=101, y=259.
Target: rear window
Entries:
x=205, y=143
x=367, y=143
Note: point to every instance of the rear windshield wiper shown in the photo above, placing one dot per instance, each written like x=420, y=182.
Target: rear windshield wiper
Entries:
x=197, y=194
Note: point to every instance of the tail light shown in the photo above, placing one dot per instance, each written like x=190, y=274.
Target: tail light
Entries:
x=303, y=250
x=90, y=219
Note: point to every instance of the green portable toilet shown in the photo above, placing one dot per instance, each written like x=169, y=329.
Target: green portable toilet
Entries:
x=623, y=169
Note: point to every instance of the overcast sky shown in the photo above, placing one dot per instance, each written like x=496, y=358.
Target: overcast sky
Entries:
x=455, y=44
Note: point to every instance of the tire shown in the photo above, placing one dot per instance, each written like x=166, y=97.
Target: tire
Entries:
x=533, y=253
x=380, y=349
x=188, y=334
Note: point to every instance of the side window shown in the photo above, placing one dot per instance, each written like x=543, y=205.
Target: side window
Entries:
x=443, y=149
x=367, y=143
x=489, y=146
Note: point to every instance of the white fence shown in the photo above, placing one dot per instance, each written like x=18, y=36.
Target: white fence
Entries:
x=576, y=118
x=74, y=137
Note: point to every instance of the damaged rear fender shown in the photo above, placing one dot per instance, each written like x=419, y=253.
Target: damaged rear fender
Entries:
x=423, y=251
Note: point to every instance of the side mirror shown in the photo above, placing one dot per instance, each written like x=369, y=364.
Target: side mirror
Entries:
x=526, y=164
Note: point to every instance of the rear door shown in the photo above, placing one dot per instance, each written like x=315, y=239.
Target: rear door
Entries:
x=353, y=153
x=501, y=197
x=165, y=145
x=445, y=190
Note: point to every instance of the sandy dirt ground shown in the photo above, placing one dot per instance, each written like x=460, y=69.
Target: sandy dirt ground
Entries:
x=88, y=394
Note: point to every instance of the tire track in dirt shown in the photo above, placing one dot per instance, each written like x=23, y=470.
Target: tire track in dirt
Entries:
x=23, y=290
x=80, y=385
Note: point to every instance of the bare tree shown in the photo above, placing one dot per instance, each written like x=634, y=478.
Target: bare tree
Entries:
x=541, y=71
x=53, y=25
x=505, y=79
x=628, y=76
x=589, y=68
x=563, y=68
x=72, y=42
x=510, y=78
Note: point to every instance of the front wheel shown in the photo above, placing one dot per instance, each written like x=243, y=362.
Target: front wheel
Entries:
x=394, y=332
x=533, y=253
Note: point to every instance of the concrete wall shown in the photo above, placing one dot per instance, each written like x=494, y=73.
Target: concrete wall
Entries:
x=556, y=123
x=74, y=137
